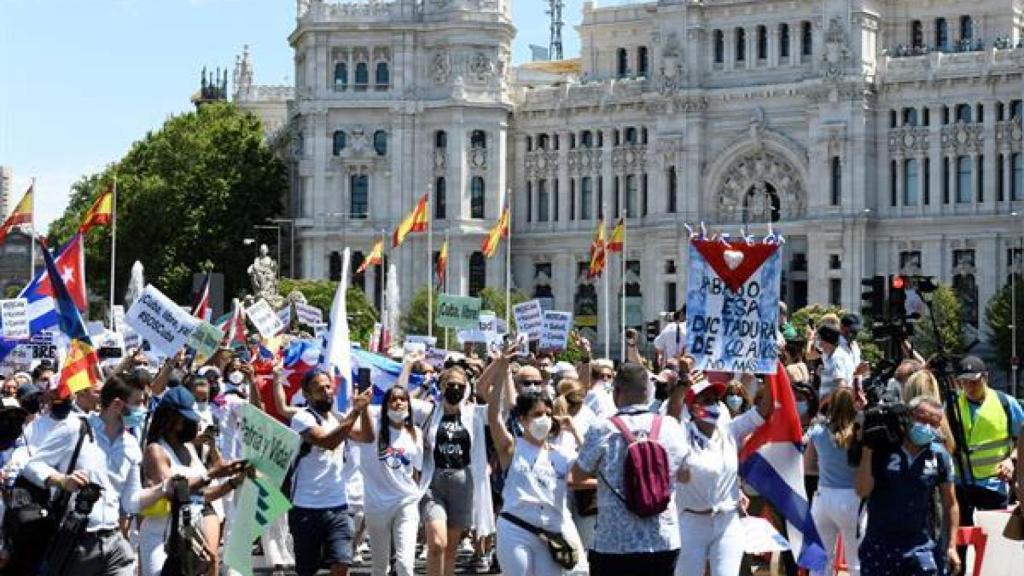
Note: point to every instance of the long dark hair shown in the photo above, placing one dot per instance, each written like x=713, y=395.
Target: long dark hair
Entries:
x=526, y=402
x=163, y=421
x=384, y=434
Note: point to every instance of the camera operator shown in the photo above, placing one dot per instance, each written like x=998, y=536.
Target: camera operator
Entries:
x=111, y=459
x=991, y=422
x=898, y=484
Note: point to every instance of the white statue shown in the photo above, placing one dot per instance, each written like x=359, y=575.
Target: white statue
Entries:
x=263, y=276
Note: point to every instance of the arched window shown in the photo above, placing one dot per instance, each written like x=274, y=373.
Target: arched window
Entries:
x=719, y=41
x=836, y=181
x=964, y=179
x=529, y=143
x=966, y=29
x=911, y=179
x=630, y=135
x=762, y=43
x=673, y=186
x=440, y=198
x=338, y=141
x=806, y=46
x=383, y=75
x=334, y=267
x=340, y=76
x=359, y=199
x=586, y=198
x=362, y=76
x=542, y=142
x=477, y=273
x=783, y=40
x=543, y=201
x=916, y=34
x=380, y=142
x=740, y=35
x=963, y=113
x=440, y=139
x=360, y=279
x=910, y=116
x=941, y=34
x=622, y=63
x=478, y=139
x=476, y=197
x=641, y=61
x=587, y=139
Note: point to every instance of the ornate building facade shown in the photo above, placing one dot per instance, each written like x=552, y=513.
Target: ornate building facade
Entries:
x=877, y=137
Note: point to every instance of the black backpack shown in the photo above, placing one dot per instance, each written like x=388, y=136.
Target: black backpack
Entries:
x=288, y=484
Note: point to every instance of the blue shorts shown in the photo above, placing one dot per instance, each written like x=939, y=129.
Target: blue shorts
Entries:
x=321, y=537
x=882, y=557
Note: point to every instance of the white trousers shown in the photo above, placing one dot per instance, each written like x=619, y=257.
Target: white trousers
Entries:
x=836, y=512
x=714, y=538
x=395, y=526
x=521, y=553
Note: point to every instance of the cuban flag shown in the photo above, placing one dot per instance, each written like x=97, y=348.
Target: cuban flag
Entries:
x=772, y=463
x=299, y=357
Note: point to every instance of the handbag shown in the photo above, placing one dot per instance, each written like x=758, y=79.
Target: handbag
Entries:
x=187, y=551
x=562, y=551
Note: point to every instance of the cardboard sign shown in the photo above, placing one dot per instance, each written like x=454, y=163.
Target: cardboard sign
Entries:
x=116, y=317
x=529, y=318
x=160, y=321
x=265, y=319
x=732, y=304
x=458, y=312
x=259, y=504
x=557, y=325
x=266, y=443
x=308, y=315
x=14, y=317
x=319, y=330
x=204, y=340
x=427, y=341
x=43, y=346
x=488, y=321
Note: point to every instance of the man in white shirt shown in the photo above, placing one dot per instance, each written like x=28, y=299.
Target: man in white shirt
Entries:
x=837, y=364
x=671, y=343
x=850, y=327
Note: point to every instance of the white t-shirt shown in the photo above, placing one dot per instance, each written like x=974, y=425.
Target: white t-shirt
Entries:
x=319, y=478
x=388, y=478
x=672, y=340
x=582, y=421
x=838, y=366
x=599, y=400
x=535, y=485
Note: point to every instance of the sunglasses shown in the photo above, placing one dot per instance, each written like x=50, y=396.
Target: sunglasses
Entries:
x=525, y=383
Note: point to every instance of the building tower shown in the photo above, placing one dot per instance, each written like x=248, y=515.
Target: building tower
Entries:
x=555, y=45
x=6, y=185
x=212, y=88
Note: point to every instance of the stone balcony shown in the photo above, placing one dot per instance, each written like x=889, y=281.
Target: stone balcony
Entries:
x=953, y=64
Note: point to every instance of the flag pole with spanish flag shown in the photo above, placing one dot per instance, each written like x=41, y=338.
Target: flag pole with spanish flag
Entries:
x=113, y=243
x=508, y=257
x=32, y=226
x=617, y=243
x=430, y=258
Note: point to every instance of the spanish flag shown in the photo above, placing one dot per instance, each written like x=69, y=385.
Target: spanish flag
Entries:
x=494, y=236
x=597, y=251
x=442, y=265
x=101, y=211
x=376, y=257
x=618, y=237
x=416, y=221
x=22, y=214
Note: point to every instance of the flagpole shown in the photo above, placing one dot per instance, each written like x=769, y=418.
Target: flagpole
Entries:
x=508, y=258
x=32, y=238
x=607, y=303
x=444, y=279
x=622, y=284
x=430, y=268
x=113, y=243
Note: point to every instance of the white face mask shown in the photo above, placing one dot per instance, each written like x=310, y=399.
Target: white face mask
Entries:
x=540, y=427
x=397, y=416
x=236, y=377
x=202, y=406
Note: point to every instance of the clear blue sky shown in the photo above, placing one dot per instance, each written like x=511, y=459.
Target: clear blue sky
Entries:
x=80, y=80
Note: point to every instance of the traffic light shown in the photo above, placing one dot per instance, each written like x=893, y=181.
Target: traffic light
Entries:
x=897, y=297
x=873, y=305
x=652, y=329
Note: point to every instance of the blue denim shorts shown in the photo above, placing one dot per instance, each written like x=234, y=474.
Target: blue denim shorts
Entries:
x=321, y=536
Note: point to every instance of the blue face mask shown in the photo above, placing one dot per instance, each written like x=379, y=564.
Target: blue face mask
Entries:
x=134, y=417
x=921, y=434
x=734, y=402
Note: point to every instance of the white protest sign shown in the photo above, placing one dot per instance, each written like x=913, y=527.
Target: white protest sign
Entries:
x=95, y=328
x=131, y=337
x=529, y=318
x=488, y=321
x=285, y=314
x=265, y=319
x=308, y=315
x=14, y=317
x=319, y=330
x=473, y=336
x=43, y=346
x=427, y=341
x=160, y=321
x=555, y=336
x=117, y=317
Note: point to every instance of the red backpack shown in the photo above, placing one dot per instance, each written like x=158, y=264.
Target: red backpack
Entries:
x=646, y=477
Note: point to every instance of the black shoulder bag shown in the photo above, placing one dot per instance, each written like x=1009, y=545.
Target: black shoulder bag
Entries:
x=287, y=485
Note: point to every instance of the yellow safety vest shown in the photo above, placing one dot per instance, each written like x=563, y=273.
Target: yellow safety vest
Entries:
x=988, y=435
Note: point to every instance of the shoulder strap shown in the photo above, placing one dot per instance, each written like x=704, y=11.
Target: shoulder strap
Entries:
x=627, y=435
x=83, y=431
x=1004, y=401
x=655, y=428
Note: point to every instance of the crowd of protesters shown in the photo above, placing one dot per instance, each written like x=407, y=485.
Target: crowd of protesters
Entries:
x=525, y=464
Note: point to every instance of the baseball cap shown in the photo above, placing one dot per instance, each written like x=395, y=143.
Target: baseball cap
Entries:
x=852, y=321
x=180, y=399
x=26, y=391
x=971, y=368
x=701, y=383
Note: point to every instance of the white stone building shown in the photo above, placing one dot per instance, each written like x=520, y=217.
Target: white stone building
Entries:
x=6, y=189
x=878, y=137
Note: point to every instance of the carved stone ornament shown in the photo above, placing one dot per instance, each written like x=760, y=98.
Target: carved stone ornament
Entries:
x=626, y=159
x=672, y=65
x=753, y=172
x=1008, y=135
x=837, y=51
x=963, y=138
x=440, y=161
x=541, y=163
x=908, y=141
x=478, y=159
x=481, y=67
x=583, y=161
x=441, y=67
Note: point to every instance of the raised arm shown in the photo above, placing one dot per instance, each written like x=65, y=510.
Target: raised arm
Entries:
x=504, y=443
x=319, y=437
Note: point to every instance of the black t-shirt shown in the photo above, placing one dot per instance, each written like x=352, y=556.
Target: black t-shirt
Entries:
x=451, y=448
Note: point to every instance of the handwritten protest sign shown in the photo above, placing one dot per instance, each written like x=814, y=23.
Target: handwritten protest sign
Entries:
x=308, y=315
x=458, y=311
x=265, y=319
x=43, y=346
x=14, y=317
x=285, y=315
x=117, y=317
x=160, y=321
x=732, y=303
x=529, y=318
x=555, y=335
x=204, y=340
x=266, y=443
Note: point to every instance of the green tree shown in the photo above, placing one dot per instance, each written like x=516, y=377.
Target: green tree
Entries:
x=414, y=319
x=948, y=319
x=493, y=299
x=811, y=315
x=187, y=194
x=320, y=293
x=999, y=321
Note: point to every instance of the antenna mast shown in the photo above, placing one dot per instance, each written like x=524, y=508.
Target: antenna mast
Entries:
x=555, y=46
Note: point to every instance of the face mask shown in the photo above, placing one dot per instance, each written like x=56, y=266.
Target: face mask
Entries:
x=801, y=407
x=921, y=434
x=397, y=416
x=189, y=431
x=540, y=427
x=202, y=406
x=734, y=402
x=133, y=417
x=60, y=410
x=453, y=394
x=322, y=406
x=236, y=378
x=709, y=414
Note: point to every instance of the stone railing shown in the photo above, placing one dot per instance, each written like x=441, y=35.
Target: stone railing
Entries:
x=613, y=89
x=1008, y=135
x=913, y=67
x=350, y=11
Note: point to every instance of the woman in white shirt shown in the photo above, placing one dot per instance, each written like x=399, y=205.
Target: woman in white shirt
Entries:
x=708, y=491
x=392, y=458
x=535, y=485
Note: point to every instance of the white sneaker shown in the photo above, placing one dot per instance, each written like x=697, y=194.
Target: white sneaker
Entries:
x=466, y=546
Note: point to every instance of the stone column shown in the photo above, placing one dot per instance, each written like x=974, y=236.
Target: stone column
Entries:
x=935, y=154
x=608, y=178
x=991, y=167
